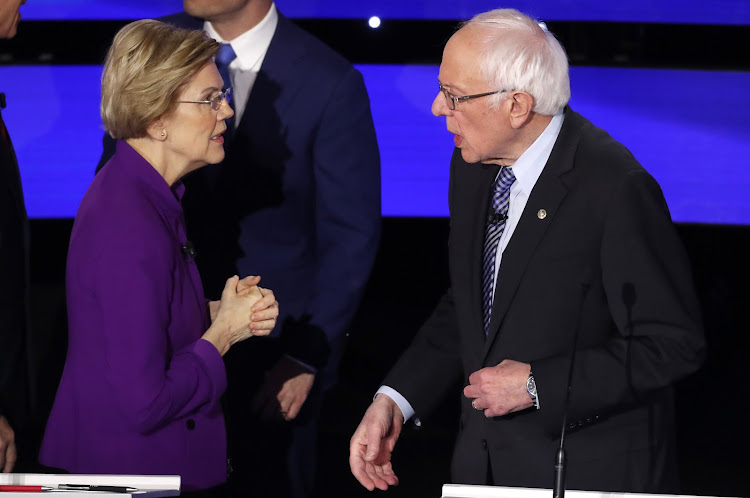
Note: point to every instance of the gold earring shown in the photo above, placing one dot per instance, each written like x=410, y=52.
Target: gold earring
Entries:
x=164, y=133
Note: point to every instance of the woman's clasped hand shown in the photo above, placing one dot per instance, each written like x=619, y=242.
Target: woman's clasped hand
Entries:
x=245, y=310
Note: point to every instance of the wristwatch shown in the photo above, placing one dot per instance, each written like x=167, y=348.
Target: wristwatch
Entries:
x=531, y=389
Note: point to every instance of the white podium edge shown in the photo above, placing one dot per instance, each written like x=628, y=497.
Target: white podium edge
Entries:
x=147, y=485
x=474, y=491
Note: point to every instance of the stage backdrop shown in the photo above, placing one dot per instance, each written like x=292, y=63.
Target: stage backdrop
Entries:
x=665, y=11
x=686, y=128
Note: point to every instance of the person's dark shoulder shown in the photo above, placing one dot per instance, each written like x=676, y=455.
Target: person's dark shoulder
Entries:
x=316, y=52
x=601, y=154
x=182, y=20
x=602, y=168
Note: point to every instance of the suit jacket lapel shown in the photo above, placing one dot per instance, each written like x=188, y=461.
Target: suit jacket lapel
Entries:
x=275, y=73
x=547, y=195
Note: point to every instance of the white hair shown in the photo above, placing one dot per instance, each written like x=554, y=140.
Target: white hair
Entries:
x=519, y=54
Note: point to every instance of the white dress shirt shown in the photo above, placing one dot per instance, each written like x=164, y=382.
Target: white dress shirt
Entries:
x=250, y=47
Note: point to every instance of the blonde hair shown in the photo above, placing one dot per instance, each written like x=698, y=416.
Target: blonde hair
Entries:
x=146, y=69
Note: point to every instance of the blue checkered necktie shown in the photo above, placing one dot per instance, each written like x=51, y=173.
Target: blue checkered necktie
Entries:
x=495, y=226
x=225, y=57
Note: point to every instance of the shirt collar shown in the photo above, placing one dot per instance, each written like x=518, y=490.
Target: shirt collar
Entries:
x=251, y=45
x=529, y=166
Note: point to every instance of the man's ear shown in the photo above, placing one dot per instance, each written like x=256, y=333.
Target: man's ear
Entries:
x=157, y=130
x=521, y=110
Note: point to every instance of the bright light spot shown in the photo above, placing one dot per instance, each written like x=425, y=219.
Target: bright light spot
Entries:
x=374, y=22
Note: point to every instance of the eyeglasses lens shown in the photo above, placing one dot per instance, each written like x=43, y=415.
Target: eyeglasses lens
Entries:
x=448, y=99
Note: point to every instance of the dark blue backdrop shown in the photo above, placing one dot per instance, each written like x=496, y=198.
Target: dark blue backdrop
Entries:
x=688, y=128
x=666, y=11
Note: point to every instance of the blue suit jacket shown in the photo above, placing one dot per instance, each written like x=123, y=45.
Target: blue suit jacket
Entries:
x=297, y=198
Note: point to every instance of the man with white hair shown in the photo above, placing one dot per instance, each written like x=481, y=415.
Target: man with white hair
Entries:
x=560, y=242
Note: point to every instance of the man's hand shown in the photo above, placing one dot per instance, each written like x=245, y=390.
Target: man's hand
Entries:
x=373, y=442
x=7, y=446
x=501, y=389
x=284, y=391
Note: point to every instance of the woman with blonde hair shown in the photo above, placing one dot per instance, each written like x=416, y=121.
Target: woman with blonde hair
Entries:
x=140, y=393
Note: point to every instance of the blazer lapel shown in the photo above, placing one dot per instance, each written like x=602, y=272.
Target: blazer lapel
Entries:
x=547, y=195
x=276, y=72
x=261, y=146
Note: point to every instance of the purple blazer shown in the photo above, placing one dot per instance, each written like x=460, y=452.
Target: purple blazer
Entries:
x=140, y=390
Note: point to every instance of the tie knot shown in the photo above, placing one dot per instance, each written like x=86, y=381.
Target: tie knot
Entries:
x=504, y=180
x=226, y=54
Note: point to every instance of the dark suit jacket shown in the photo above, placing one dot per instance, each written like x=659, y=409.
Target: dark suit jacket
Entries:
x=297, y=198
x=605, y=260
x=14, y=362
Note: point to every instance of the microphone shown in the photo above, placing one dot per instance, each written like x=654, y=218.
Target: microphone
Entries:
x=496, y=218
x=558, y=489
x=189, y=251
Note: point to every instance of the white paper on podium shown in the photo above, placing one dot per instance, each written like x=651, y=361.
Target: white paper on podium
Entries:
x=471, y=491
x=148, y=486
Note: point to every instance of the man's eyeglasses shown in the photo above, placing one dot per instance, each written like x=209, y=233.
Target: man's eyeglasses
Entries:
x=453, y=101
x=215, y=101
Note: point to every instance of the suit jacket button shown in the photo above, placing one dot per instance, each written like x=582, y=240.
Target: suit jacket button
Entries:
x=190, y=424
x=484, y=444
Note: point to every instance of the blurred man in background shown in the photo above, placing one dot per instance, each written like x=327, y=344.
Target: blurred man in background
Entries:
x=15, y=392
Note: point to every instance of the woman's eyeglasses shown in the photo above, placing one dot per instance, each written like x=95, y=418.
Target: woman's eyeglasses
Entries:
x=215, y=101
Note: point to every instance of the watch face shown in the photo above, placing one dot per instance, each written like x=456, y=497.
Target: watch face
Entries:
x=531, y=386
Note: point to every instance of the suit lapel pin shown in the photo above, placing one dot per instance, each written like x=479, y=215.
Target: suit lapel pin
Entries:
x=541, y=214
